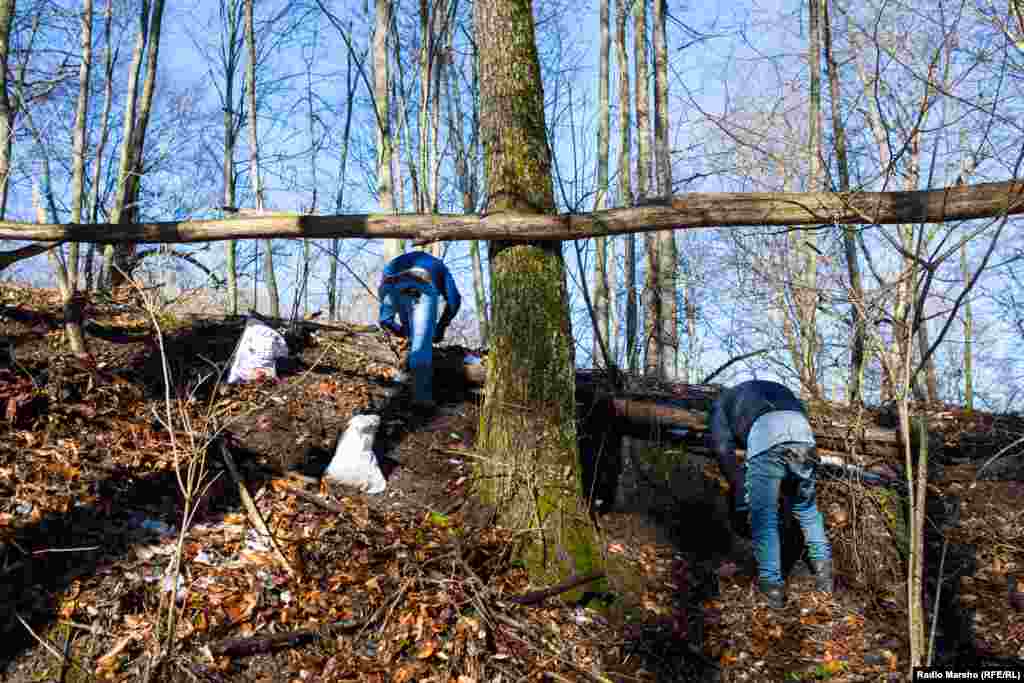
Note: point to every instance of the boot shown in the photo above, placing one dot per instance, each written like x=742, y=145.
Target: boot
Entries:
x=773, y=593
x=822, y=575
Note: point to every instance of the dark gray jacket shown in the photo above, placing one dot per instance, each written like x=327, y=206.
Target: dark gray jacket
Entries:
x=736, y=411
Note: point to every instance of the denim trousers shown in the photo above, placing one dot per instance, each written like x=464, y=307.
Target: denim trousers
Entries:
x=766, y=474
x=416, y=304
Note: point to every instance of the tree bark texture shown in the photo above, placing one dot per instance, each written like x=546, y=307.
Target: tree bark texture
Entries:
x=528, y=421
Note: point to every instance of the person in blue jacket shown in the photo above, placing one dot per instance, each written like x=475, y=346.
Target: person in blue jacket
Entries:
x=410, y=287
x=767, y=420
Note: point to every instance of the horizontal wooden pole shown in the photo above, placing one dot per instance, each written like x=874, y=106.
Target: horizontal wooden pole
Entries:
x=681, y=212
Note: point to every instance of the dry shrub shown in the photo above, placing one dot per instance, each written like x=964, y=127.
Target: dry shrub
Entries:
x=866, y=528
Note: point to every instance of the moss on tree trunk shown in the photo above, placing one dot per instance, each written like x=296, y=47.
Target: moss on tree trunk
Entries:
x=528, y=422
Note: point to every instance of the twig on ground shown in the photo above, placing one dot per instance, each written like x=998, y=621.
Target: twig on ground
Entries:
x=48, y=646
x=254, y=513
x=537, y=596
x=314, y=499
x=1001, y=453
x=255, y=645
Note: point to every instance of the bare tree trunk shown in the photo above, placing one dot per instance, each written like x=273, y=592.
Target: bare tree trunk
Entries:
x=48, y=213
x=966, y=169
x=231, y=54
x=807, y=283
x=652, y=279
x=79, y=141
x=528, y=422
x=465, y=172
x=7, y=113
x=968, y=337
x=385, y=188
x=667, y=253
x=401, y=144
x=126, y=164
x=625, y=186
x=601, y=272
x=101, y=145
x=931, y=379
x=269, y=276
x=854, y=385
x=423, y=115
x=339, y=198
x=72, y=303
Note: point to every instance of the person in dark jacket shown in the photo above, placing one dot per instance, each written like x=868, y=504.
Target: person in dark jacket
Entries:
x=770, y=423
x=410, y=288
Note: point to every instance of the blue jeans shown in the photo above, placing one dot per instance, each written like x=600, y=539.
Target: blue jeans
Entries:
x=766, y=473
x=416, y=304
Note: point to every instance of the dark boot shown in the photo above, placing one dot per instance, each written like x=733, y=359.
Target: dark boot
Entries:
x=774, y=593
x=822, y=575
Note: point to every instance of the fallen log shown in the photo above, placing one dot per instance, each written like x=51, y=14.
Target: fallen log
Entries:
x=645, y=416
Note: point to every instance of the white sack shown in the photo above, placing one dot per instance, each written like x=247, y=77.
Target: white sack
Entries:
x=257, y=354
x=354, y=462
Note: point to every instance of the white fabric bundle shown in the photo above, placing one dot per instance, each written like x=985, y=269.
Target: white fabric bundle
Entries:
x=354, y=462
x=257, y=354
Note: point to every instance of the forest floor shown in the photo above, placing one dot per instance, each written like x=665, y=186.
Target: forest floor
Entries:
x=409, y=585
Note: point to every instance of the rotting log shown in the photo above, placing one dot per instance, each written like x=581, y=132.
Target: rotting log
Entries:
x=686, y=211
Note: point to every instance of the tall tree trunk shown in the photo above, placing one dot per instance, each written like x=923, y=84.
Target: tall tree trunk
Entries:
x=79, y=142
x=231, y=53
x=626, y=187
x=129, y=206
x=7, y=113
x=966, y=169
x=601, y=280
x=667, y=253
x=101, y=145
x=269, y=275
x=652, y=289
x=466, y=169
x=528, y=423
x=113, y=267
x=339, y=198
x=807, y=292
x=423, y=117
x=854, y=385
x=968, y=336
x=385, y=187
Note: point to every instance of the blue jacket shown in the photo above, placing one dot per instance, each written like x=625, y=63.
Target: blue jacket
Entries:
x=419, y=265
x=736, y=411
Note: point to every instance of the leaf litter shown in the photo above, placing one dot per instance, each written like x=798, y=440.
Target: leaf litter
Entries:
x=406, y=586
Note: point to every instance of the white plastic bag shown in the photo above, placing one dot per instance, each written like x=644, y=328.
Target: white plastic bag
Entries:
x=257, y=354
x=354, y=462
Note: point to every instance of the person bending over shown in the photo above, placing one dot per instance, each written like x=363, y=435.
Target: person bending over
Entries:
x=409, y=288
x=767, y=420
